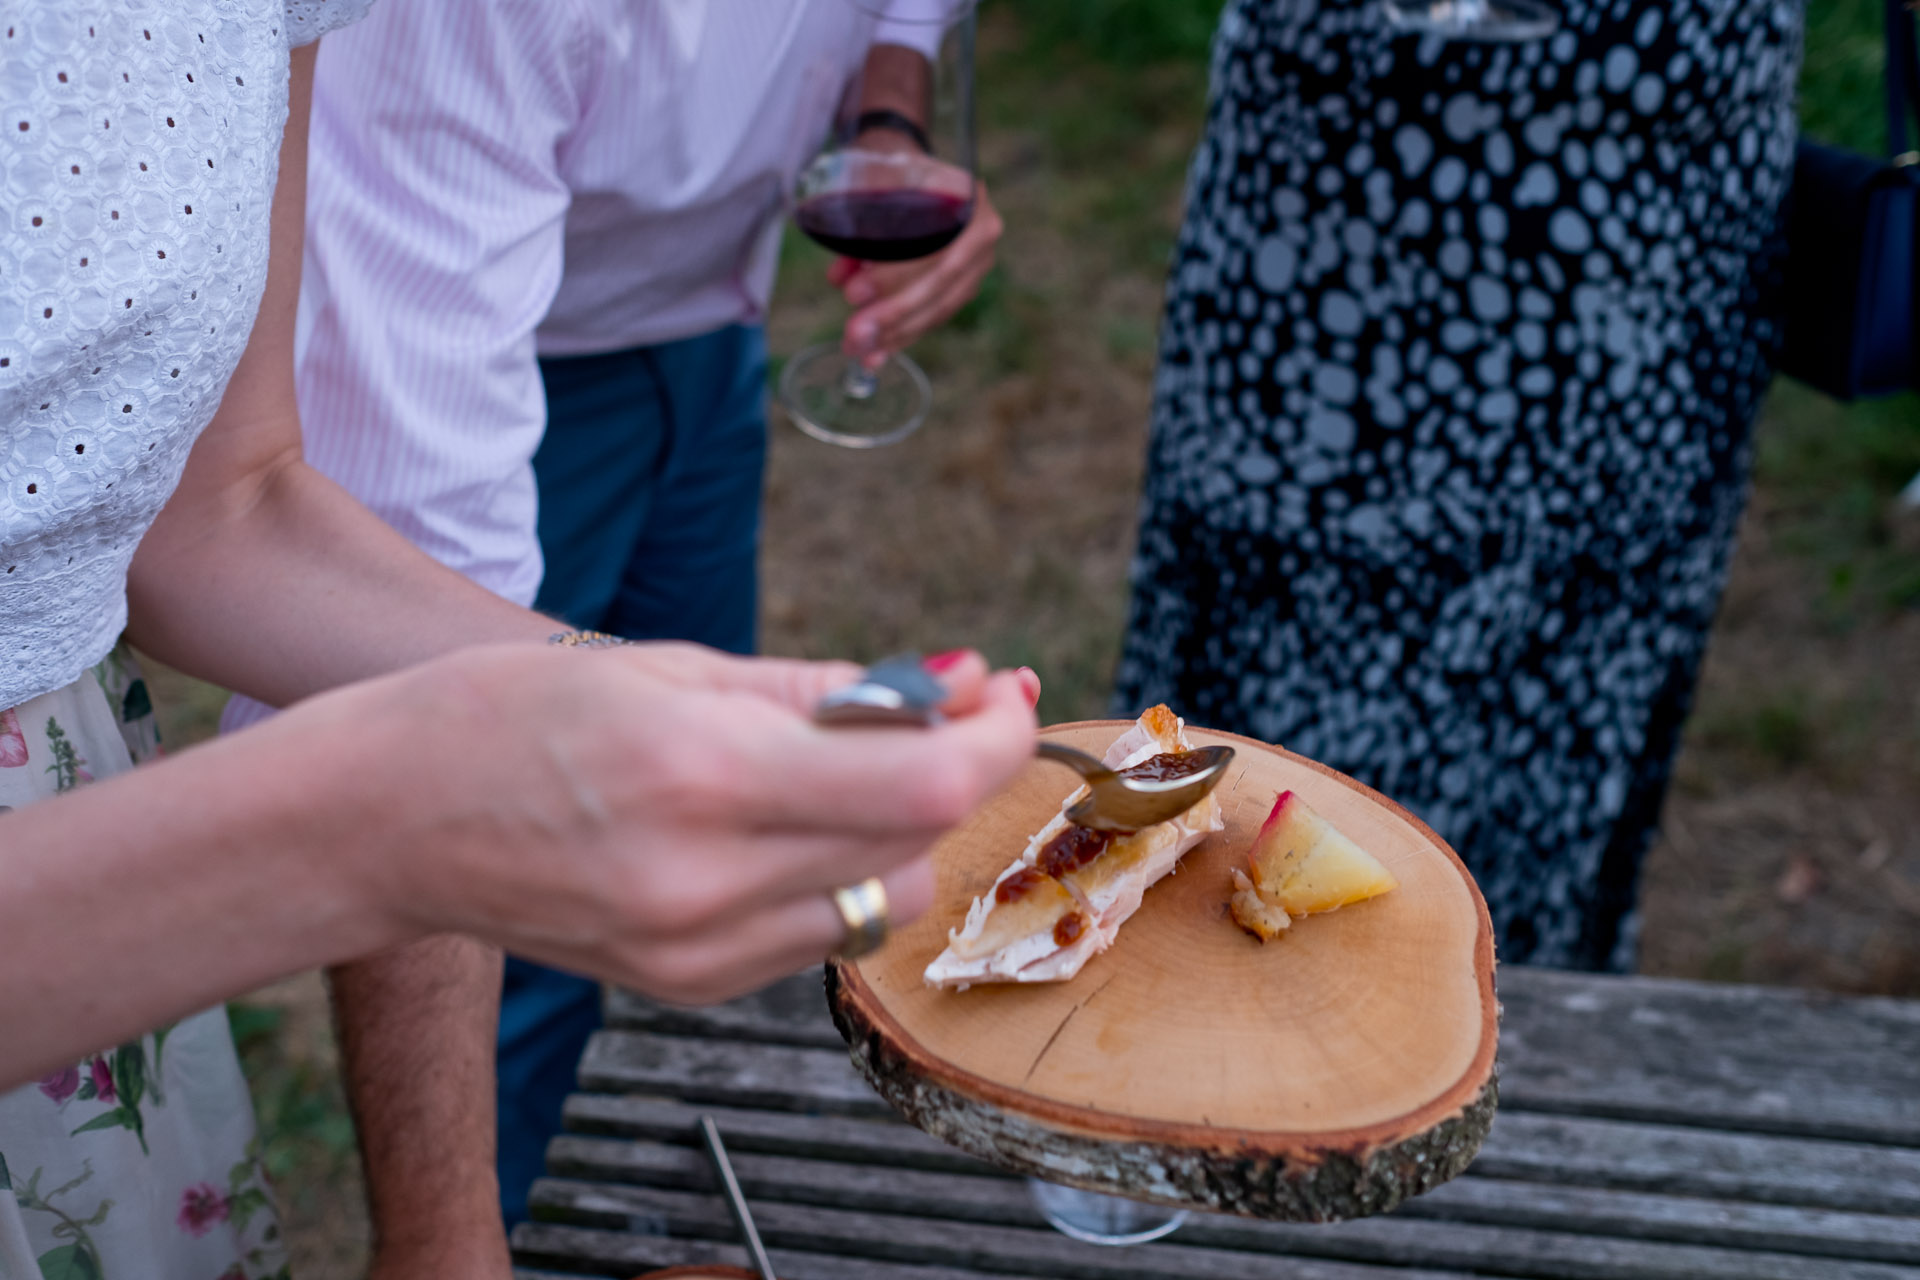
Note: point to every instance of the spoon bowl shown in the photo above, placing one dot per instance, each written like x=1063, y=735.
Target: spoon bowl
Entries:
x=1121, y=801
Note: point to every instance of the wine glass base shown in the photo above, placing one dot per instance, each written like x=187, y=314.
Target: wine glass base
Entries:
x=1489, y=21
x=1099, y=1219
x=833, y=400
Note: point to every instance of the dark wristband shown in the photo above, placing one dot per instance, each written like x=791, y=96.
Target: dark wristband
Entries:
x=884, y=118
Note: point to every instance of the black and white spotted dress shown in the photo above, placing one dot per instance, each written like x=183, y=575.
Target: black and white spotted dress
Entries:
x=1462, y=350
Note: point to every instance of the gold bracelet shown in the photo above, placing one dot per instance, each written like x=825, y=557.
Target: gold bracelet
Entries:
x=586, y=639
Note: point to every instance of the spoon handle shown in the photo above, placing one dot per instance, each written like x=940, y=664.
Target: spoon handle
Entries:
x=1088, y=767
x=893, y=691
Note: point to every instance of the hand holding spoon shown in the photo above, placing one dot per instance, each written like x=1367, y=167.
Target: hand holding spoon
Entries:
x=898, y=691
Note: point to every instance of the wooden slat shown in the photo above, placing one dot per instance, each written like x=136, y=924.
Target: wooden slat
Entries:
x=1210, y=1247
x=1637, y=1141
x=1680, y=1219
x=778, y=1077
x=887, y=1140
x=1705, y=1054
x=1488, y=1206
x=620, y=1253
x=995, y=1250
x=1593, y=1153
x=1713, y=1055
x=1702, y=1162
x=1552, y=1149
x=791, y=1011
x=1587, y=1152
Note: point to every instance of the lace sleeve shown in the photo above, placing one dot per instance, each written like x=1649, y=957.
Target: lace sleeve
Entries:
x=308, y=20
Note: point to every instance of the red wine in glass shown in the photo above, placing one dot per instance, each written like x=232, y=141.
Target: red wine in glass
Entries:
x=893, y=181
x=889, y=224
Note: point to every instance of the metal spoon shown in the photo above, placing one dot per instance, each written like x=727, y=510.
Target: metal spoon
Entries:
x=894, y=691
x=1116, y=802
x=898, y=691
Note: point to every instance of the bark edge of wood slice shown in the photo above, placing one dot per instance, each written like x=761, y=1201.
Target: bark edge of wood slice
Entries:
x=1328, y=1074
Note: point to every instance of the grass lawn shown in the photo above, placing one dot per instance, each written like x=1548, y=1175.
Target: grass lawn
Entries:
x=1789, y=852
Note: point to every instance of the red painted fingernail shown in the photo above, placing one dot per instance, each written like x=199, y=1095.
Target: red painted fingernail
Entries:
x=1030, y=681
x=941, y=661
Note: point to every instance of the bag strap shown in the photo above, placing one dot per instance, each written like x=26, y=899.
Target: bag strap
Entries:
x=1903, y=81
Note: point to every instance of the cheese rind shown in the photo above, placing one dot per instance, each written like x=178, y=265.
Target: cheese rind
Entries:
x=1253, y=913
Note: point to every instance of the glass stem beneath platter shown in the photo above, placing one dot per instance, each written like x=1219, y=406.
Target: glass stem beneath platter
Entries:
x=1101, y=1219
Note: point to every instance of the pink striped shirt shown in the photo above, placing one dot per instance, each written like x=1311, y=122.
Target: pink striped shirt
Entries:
x=488, y=181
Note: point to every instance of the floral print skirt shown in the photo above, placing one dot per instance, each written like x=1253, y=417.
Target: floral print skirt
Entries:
x=138, y=1162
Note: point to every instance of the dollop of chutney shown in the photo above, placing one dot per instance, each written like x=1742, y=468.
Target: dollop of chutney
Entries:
x=1072, y=849
x=1166, y=767
x=1018, y=885
x=1069, y=928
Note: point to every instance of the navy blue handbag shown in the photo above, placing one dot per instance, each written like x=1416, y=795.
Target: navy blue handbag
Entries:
x=1850, y=293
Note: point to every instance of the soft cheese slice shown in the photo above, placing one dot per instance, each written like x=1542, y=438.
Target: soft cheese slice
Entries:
x=1038, y=936
x=1302, y=865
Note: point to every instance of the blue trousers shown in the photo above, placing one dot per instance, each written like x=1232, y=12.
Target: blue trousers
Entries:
x=649, y=478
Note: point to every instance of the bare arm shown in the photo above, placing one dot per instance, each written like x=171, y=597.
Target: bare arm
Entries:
x=291, y=587
x=151, y=895
x=262, y=575
x=416, y=1031
x=664, y=817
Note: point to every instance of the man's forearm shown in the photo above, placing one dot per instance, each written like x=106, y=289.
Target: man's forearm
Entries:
x=292, y=593
x=416, y=1030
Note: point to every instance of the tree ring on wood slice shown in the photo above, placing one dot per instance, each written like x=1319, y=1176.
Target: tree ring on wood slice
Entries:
x=1327, y=1074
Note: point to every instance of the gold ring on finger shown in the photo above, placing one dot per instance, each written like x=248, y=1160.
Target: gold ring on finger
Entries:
x=863, y=909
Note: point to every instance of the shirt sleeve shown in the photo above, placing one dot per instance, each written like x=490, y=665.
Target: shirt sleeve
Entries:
x=435, y=230
x=308, y=20
x=917, y=24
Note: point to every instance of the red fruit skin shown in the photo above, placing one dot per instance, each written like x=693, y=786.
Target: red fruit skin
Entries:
x=1285, y=801
x=1273, y=818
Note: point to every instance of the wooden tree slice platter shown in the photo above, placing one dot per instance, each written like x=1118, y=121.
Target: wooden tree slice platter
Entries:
x=1327, y=1074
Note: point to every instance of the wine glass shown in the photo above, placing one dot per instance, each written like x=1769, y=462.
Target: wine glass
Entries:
x=895, y=181
x=1488, y=20
x=1102, y=1219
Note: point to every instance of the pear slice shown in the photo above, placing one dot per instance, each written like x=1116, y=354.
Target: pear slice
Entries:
x=1302, y=865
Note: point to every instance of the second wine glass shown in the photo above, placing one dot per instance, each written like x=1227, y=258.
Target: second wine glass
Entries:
x=894, y=182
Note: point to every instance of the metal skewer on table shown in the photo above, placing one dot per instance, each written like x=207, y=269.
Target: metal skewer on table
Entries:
x=736, y=1202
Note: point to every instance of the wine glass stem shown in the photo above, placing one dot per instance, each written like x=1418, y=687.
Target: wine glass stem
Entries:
x=857, y=382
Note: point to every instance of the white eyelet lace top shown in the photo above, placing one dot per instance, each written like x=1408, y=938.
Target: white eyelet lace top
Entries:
x=139, y=145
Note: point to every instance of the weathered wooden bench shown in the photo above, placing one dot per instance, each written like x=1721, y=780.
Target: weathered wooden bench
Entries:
x=1647, y=1129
